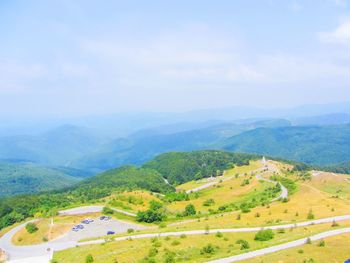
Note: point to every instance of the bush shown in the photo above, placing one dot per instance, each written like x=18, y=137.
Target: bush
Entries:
x=131, y=230
x=209, y=202
x=310, y=215
x=169, y=257
x=219, y=234
x=208, y=249
x=89, y=259
x=31, y=228
x=107, y=211
x=244, y=244
x=152, y=252
x=264, y=235
x=190, y=210
x=322, y=243
x=175, y=243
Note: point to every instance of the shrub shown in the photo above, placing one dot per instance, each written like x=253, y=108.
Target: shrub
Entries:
x=264, y=235
x=322, y=243
x=107, y=211
x=310, y=215
x=89, y=259
x=175, y=243
x=190, y=210
x=130, y=230
x=169, y=257
x=152, y=252
x=244, y=244
x=209, y=202
x=208, y=249
x=31, y=228
x=183, y=236
x=219, y=234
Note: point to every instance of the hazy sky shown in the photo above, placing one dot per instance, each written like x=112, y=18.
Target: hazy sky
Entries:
x=82, y=57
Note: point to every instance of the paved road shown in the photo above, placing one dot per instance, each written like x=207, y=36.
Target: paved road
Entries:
x=96, y=229
x=91, y=209
x=223, y=178
x=284, y=246
x=225, y=230
x=69, y=240
x=284, y=190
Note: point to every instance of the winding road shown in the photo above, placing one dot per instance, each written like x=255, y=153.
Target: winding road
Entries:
x=46, y=249
x=43, y=252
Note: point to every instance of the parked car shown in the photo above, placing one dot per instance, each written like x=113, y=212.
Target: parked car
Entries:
x=110, y=233
x=105, y=218
x=85, y=222
x=79, y=226
x=75, y=229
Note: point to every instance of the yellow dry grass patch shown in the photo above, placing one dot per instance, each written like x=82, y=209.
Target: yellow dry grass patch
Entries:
x=222, y=193
x=296, y=210
x=337, y=185
x=187, y=249
x=253, y=165
x=131, y=201
x=336, y=249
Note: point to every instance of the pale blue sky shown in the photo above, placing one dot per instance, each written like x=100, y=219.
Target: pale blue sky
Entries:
x=69, y=57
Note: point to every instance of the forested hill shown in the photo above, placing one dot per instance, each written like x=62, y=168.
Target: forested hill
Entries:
x=177, y=167
x=23, y=178
x=312, y=145
x=127, y=177
x=180, y=167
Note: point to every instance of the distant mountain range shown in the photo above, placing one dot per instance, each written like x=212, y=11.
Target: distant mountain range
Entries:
x=62, y=156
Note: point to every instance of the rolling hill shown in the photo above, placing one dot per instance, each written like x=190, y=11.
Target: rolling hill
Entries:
x=314, y=145
x=24, y=178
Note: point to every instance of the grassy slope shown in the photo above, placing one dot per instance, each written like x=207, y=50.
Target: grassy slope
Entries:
x=336, y=250
x=186, y=249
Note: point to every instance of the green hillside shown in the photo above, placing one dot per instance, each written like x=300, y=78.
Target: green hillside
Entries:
x=23, y=178
x=180, y=167
x=126, y=177
x=312, y=145
x=17, y=208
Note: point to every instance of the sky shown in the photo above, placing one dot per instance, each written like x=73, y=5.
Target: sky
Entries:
x=75, y=58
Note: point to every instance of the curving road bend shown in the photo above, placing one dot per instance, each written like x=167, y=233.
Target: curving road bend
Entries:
x=284, y=190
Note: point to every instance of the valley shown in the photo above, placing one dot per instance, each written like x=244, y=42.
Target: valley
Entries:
x=229, y=208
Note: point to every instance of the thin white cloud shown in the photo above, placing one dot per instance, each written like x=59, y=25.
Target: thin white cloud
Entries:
x=296, y=6
x=341, y=35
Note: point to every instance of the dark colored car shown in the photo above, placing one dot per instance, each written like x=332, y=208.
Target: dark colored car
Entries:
x=110, y=233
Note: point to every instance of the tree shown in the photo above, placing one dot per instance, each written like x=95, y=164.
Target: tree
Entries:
x=190, y=210
x=264, y=235
x=89, y=259
x=31, y=228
